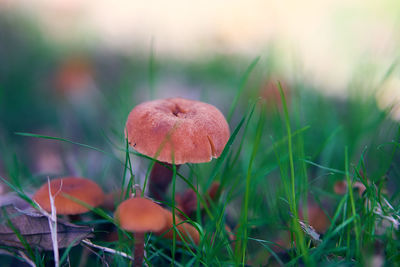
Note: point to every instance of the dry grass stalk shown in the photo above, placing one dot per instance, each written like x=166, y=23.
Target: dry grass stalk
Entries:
x=53, y=226
x=108, y=250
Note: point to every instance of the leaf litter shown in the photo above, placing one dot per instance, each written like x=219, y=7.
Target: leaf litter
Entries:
x=19, y=220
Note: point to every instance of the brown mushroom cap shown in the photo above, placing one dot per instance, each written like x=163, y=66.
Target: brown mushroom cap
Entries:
x=140, y=215
x=83, y=189
x=316, y=218
x=187, y=231
x=340, y=187
x=189, y=131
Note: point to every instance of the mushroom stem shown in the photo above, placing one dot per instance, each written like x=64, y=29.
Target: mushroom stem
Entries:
x=137, y=191
x=139, y=249
x=160, y=178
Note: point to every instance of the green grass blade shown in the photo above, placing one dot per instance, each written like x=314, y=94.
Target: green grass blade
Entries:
x=293, y=205
x=245, y=209
x=225, y=152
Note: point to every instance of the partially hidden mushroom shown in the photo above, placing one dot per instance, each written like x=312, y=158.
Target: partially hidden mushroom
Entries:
x=185, y=231
x=175, y=131
x=270, y=92
x=213, y=193
x=186, y=201
x=139, y=216
x=341, y=187
x=112, y=199
x=316, y=217
x=69, y=194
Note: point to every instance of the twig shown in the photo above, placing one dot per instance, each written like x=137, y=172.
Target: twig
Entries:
x=105, y=249
x=393, y=218
x=310, y=231
x=101, y=257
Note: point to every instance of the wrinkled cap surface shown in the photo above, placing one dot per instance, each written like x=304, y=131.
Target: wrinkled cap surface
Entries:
x=140, y=215
x=82, y=189
x=179, y=129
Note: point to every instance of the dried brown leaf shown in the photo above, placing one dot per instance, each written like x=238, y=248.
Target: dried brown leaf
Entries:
x=35, y=230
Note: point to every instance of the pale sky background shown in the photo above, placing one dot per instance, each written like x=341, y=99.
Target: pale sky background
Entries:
x=329, y=38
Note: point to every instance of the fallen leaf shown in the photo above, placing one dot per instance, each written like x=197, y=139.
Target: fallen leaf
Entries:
x=35, y=230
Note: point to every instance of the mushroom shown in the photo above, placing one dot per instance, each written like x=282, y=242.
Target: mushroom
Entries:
x=140, y=215
x=271, y=94
x=111, y=199
x=62, y=189
x=186, y=230
x=340, y=187
x=187, y=201
x=214, y=192
x=176, y=131
x=74, y=78
x=316, y=217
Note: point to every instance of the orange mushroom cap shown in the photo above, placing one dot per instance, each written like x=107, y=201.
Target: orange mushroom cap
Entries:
x=83, y=189
x=186, y=130
x=316, y=218
x=340, y=187
x=213, y=190
x=73, y=76
x=187, y=201
x=140, y=215
x=187, y=231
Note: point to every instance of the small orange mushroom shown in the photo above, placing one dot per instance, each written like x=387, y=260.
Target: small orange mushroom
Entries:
x=214, y=190
x=316, y=218
x=340, y=187
x=74, y=77
x=213, y=193
x=271, y=93
x=111, y=199
x=63, y=189
x=186, y=230
x=140, y=215
x=187, y=201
